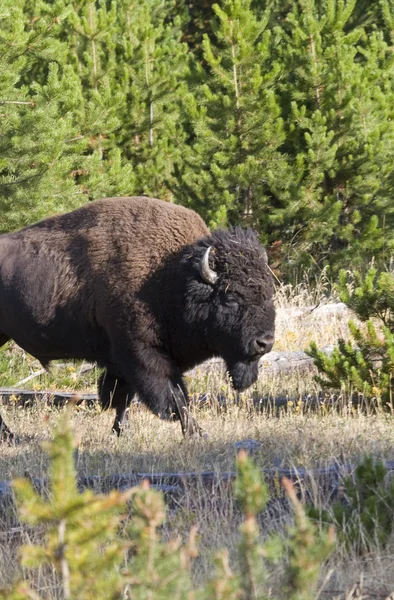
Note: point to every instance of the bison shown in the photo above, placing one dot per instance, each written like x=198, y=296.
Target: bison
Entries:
x=141, y=287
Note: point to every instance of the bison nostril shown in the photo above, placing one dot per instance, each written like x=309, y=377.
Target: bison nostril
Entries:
x=264, y=344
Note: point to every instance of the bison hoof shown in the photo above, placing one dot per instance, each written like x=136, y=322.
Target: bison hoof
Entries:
x=7, y=437
x=197, y=435
x=193, y=430
x=117, y=430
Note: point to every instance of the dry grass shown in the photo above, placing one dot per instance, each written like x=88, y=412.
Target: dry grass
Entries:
x=308, y=439
x=297, y=327
x=292, y=437
x=150, y=446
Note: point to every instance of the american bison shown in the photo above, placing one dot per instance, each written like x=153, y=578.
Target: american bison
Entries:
x=141, y=287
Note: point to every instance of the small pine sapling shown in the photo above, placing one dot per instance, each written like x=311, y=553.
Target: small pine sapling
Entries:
x=252, y=495
x=96, y=552
x=80, y=530
x=366, y=519
x=158, y=569
x=308, y=549
x=365, y=365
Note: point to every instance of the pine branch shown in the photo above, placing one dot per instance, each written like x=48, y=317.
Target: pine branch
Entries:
x=26, y=103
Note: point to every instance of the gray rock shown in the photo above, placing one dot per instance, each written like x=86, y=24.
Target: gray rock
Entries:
x=251, y=446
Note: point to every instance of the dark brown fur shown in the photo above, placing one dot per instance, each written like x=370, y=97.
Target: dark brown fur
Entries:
x=117, y=281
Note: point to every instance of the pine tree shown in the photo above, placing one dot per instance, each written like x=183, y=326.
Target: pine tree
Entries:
x=387, y=13
x=92, y=33
x=132, y=68
x=286, y=125
x=337, y=101
x=152, y=76
x=97, y=553
x=365, y=520
x=233, y=163
x=59, y=107
x=80, y=531
x=39, y=143
x=291, y=129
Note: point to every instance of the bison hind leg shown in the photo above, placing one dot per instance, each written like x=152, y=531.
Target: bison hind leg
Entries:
x=45, y=363
x=4, y=338
x=114, y=392
x=5, y=433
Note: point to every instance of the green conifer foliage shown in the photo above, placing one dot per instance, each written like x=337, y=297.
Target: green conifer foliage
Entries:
x=366, y=364
x=80, y=541
x=132, y=68
x=365, y=520
x=157, y=570
x=39, y=142
x=153, y=65
x=98, y=552
x=252, y=495
x=281, y=118
x=233, y=164
x=337, y=101
x=387, y=14
x=307, y=549
x=93, y=33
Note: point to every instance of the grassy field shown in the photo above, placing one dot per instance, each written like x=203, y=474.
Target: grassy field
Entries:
x=295, y=436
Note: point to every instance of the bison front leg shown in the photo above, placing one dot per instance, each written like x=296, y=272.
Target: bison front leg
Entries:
x=188, y=423
x=152, y=374
x=115, y=392
x=167, y=398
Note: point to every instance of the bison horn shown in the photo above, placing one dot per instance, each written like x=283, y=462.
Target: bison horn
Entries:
x=208, y=274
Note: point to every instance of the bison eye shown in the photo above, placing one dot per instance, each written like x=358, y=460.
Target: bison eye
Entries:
x=231, y=302
x=228, y=301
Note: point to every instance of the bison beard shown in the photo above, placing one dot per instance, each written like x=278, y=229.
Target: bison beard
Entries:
x=243, y=375
x=141, y=287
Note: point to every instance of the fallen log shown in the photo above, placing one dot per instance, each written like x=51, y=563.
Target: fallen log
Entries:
x=26, y=398
x=175, y=484
x=273, y=363
x=29, y=398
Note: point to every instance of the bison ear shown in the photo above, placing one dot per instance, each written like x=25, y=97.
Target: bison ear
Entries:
x=209, y=275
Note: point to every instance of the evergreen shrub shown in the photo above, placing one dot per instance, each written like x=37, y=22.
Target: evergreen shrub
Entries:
x=364, y=518
x=365, y=365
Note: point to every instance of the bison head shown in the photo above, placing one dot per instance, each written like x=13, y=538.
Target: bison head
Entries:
x=231, y=299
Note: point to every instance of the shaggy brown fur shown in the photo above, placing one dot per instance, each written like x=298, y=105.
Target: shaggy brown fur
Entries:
x=118, y=281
